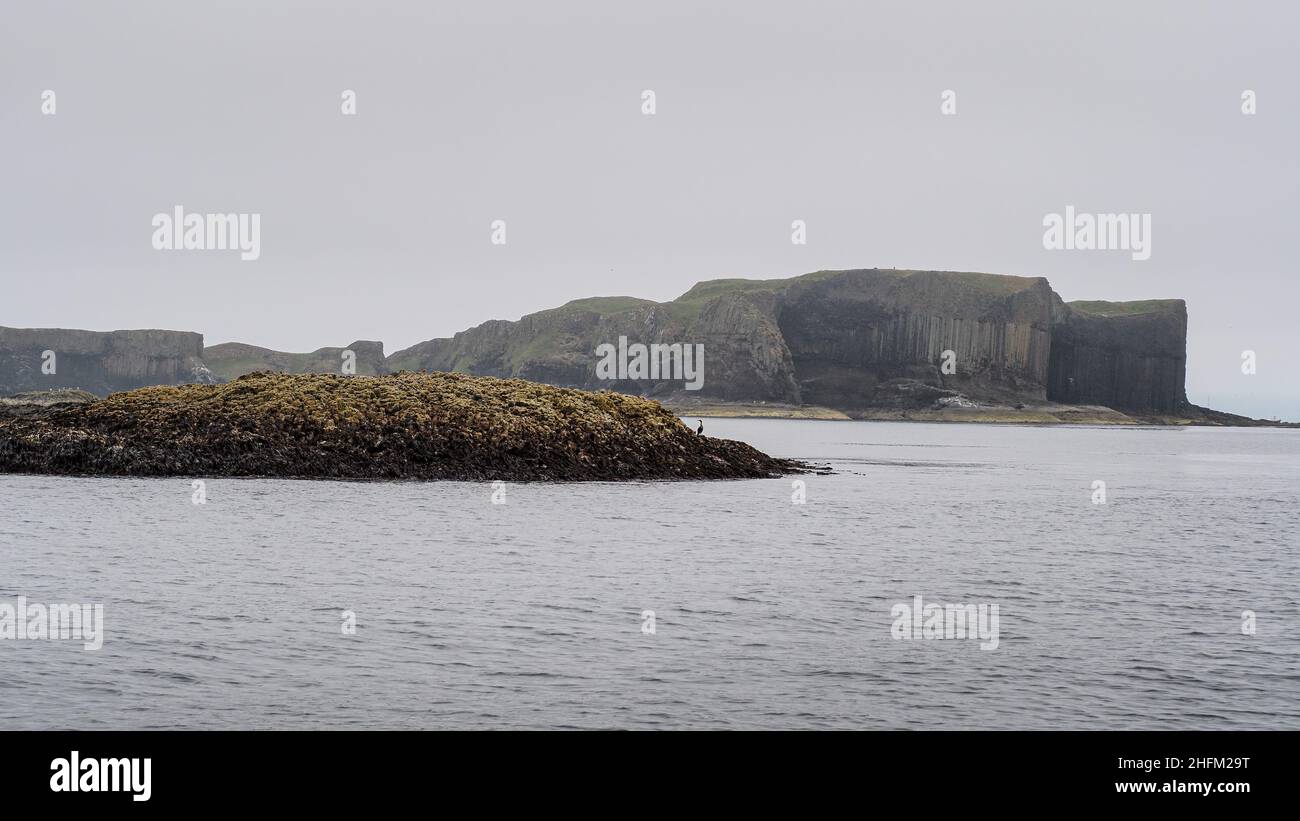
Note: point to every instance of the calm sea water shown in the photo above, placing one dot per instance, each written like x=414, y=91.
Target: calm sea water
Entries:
x=768, y=614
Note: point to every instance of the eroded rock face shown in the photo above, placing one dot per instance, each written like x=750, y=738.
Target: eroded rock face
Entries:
x=98, y=362
x=877, y=338
x=1130, y=356
x=847, y=340
x=745, y=354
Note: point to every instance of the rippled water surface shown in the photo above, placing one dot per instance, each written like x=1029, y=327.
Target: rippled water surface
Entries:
x=768, y=614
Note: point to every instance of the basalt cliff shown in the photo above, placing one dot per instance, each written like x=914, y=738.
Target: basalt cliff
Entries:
x=869, y=343
x=865, y=343
x=99, y=362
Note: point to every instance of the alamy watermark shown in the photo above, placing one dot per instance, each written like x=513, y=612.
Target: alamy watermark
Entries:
x=655, y=361
x=77, y=774
x=34, y=622
x=1099, y=232
x=945, y=621
x=180, y=231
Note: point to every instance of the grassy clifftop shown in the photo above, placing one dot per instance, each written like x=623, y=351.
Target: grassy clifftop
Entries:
x=231, y=360
x=1099, y=307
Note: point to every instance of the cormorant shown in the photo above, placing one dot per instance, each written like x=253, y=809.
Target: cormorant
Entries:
x=700, y=430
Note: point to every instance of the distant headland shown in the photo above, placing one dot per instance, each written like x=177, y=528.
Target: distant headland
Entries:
x=856, y=344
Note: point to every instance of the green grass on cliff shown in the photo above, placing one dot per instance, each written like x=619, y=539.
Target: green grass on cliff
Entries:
x=230, y=360
x=1099, y=307
x=554, y=342
x=607, y=304
x=704, y=291
x=999, y=284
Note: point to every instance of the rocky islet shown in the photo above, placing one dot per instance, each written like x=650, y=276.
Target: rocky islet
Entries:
x=420, y=426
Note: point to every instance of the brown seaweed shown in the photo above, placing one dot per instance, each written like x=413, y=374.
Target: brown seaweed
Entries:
x=400, y=426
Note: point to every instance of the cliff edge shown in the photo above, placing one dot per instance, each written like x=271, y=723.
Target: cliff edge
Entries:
x=858, y=342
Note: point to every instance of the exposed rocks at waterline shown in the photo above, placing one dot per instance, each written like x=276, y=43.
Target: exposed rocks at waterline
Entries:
x=401, y=426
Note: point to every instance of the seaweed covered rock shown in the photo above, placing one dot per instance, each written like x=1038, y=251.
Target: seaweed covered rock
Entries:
x=400, y=426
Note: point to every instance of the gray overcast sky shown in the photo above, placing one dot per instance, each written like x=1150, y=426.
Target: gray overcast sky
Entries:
x=377, y=226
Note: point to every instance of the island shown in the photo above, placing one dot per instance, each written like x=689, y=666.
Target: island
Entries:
x=416, y=426
x=871, y=343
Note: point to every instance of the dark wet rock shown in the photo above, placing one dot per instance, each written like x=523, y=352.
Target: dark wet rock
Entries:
x=401, y=426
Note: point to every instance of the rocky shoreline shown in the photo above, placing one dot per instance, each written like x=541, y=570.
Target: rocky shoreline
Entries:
x=1039, y=413
x=418, y=426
